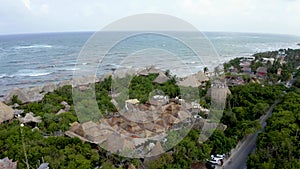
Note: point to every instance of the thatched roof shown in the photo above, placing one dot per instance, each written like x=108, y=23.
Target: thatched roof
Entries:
x=201, y=77
x=134, y=129
x=106, y=76
x=194, y=80
x=169, y=119
x=153, y=70
x=21, y=93
x=50, y=87
x=157, y=149
x=131, y=166
x=148, y=133
x=150, y=70
x=82, y=80
x=154, y=127
x=143, y=72
x=76, y=128
x=135, y=115
x=34, y=94
x=116, y=143
x=6, y=163
x=90, y=132
x=64, y=83
x=220, y=93
x=261, y=69
x=93, y=132
x=88, y=125
x=182, y=115
x=161, y=78
x=6, y=112
x=29, y=117
x=122, y=73
x=25, y=95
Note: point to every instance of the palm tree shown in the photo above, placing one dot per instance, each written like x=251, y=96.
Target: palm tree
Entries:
x=205, y=69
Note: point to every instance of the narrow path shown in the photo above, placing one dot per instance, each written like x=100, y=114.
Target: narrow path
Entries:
x=238, y=158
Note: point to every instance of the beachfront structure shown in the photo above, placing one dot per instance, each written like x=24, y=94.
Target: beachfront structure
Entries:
x=161, y=78
x=129, y=104
x=247, y=58
x=246, y=70
x=29, y=118
x=266, y=60
x=234, y=80
x=281, y=53
x=245, y=64
x=261, y=72
x=195, y=80
x=6, y=112
x=124, y=133
x=7, y=163
x=245, y=67
x=150, y=70
x=159, y=100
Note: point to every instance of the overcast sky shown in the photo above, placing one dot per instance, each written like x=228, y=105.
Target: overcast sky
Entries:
x=262, y=16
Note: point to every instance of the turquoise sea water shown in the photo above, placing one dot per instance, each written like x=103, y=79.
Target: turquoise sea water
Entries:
x=34, y=59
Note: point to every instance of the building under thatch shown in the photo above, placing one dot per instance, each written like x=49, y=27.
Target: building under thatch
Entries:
x=21, y=93
x=6, y=112
x=49, y=87
x=261, y=71
x=29, y=117
x=117, y=143
x=194, y=80
x=156, y=150
x=161, y=78
x=182, y=115
x=150, y=70
x=6, y=163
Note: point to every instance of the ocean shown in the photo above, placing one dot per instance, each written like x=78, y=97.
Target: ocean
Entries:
x=28, y=60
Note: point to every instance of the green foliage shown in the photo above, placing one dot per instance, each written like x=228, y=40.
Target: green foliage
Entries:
x=184, y=153
x=59, y=152
x=15, y=99
x=246, y=105
x=278, y=146
x=220, y=143
x=234, y=62
x=164, y=161
x=140, y=87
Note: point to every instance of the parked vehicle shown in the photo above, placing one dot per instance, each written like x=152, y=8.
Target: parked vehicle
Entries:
x=210, y=165
x=220, y=156
x=216, y=162
x=197, y=117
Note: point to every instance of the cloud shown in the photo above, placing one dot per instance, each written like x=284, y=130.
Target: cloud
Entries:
x=27, y=4
x=207, y=15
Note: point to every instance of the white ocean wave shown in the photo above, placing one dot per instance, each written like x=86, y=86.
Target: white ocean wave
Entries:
x=32, y=46
x=32, y=73
x=4, y=75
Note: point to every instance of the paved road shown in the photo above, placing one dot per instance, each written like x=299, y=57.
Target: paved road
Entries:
x=238, y=158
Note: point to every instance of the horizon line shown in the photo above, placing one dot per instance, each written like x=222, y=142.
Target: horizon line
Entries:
x=93, y=31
